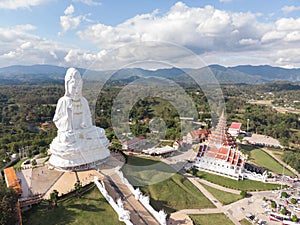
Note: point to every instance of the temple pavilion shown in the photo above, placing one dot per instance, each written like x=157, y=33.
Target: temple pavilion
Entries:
x=220, y=155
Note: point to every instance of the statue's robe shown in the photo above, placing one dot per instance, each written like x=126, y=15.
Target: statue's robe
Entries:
x=64, y=116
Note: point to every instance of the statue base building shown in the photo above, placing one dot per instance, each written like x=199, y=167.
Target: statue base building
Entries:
x=84, y=153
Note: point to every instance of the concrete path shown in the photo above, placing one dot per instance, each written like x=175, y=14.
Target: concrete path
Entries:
x=213, y=200
x=117, y=189
x=179, y=218
x=232, y=191
x=201, y=211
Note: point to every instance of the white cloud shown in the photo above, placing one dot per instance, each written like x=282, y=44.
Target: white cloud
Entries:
x=202, y=29
x=215, y=36
x=26, y=45
x=68, y=21
x=15, y=4
x=288, y=24
x=19, y=46
x=69, y=10
x=89, y=2
x=293, y=36
x=289, y=9
x=207, y=31
x=272, y=35
x=225, y=0
x=248, y=41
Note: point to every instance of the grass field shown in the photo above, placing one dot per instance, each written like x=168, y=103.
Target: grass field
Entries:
x=17, y=166
x=172, y=193
x=247, y=185
x=141, y=171
x=261, y=158
x=245, y=222
x=90, y=209
x=208, y=219
x=224, y=197
x=176, y=193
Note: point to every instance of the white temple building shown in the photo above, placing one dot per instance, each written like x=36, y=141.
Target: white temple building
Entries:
x=220, y=155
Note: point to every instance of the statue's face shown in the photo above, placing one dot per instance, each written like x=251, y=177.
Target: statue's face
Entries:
x=75, y=85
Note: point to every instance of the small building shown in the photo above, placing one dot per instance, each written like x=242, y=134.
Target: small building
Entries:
x=11, y=180
x=133, y=144
x=234, y=129
x=196, y=136
x=177, y=144
x=163, y=151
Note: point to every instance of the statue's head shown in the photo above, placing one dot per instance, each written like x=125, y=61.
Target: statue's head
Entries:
x=73, y=83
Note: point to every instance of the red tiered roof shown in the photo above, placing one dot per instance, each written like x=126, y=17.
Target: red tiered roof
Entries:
x=221, y=145
x=203, y=133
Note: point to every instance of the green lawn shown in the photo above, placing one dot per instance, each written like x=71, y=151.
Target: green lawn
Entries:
x=247, y=185
x=171, y=192
x=141, y=171
x=245, y=222
x=209, y=219
x=263, y=159
x=17, y=166
x=176, y=193
x=223, y=196
x=90, y=209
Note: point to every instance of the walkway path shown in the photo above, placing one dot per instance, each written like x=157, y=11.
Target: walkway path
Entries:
x=232, y=191
x=213, y=200
x=281, y=162
x=117, y=189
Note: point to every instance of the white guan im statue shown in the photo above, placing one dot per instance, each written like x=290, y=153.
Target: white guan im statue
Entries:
x=79, y=144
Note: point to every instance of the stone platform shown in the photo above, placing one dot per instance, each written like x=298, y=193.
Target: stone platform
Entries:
x=41, y=180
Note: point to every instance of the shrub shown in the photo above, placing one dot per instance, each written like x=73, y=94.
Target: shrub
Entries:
x=284, y=194
x=293, y=201
x=283, y=211
x=243, y=194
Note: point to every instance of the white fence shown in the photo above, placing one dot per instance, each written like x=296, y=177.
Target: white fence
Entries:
x=124, y=215
x=160, y=216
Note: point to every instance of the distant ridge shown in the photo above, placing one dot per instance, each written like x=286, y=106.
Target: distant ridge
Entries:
x=270, y=72
x=247, y=74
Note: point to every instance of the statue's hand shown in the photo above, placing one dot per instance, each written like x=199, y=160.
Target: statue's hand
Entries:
x=67, y=137
x=83, y=125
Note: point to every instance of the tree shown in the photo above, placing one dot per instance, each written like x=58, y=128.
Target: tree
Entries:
x=293, y=201
x=243, y=194
x=273, y=204
x=283, y=211
x=284, y=194
x=294, y=218
x=77, y=187
x=8, y=201
x=33, y=162
x=54, y=197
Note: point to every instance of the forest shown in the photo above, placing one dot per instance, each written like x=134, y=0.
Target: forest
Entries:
x=25, y=108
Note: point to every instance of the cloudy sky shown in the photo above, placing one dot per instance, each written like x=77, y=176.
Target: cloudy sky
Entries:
x=80, y=32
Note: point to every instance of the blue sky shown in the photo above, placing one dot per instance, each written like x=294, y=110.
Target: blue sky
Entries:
x=79, y=32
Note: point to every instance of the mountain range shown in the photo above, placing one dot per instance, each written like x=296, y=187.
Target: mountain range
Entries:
x=247, y=74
